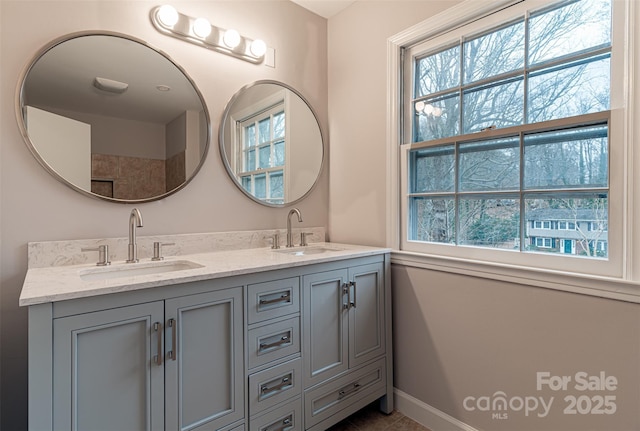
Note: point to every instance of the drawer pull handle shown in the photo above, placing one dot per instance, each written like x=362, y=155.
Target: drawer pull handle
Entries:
x=284, y=383
x=283, y=340
x=348, y=390
x=283, y=425
x=286, y=297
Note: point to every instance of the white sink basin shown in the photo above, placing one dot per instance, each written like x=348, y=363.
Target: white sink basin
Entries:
x=136, y=269
x=306, y=251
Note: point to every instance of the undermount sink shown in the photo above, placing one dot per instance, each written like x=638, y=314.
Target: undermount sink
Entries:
x=305, y=251
x=136, y=269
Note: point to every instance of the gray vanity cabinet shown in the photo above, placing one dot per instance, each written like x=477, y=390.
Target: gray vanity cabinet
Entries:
x=104, y=373
x=343, y=320
x=345, y=337
x=204, y=360
x=175, y=364
x=295, y=348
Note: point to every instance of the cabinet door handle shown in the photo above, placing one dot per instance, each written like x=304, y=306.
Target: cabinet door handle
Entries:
x=285, y=297
x=352, y=304
x=280, y=425
x=158, y=357
x=345, y=291
x=285, y=339
x=348, y=390
x=173, y=324
x=283, y=383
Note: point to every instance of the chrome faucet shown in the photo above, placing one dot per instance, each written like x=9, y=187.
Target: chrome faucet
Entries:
x=289, y=233
x=135, y=220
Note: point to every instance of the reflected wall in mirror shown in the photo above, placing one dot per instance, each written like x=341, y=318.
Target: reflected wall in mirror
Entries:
x=271, y=143
x=112, y=117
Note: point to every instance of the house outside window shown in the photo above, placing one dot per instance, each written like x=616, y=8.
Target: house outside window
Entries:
x=505, y=120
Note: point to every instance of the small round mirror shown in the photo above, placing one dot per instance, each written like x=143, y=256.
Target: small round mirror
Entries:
x=112, y=117
x=271, y=143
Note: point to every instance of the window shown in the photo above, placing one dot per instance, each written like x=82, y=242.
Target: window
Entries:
x=263, y=154
x=508, y=130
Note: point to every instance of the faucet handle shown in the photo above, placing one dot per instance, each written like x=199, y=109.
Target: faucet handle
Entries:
x=157, y=249
x=303, y=238
x=103, y=254
x=275, y=240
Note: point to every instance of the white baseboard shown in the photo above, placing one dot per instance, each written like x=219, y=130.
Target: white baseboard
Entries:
x=427, y=415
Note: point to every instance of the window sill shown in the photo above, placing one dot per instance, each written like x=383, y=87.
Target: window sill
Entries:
x=601, y=287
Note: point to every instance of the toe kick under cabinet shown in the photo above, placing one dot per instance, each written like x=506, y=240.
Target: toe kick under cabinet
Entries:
x=299, y=348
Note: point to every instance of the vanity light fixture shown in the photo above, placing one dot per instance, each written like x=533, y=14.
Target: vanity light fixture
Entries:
x=199, y=31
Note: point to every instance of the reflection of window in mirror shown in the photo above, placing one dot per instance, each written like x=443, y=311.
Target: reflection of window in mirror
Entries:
x=261, y=149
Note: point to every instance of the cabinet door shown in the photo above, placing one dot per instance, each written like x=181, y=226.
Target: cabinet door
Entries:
x=325, y=325
x=107, y=370
x=204, y=363
x=366, y=313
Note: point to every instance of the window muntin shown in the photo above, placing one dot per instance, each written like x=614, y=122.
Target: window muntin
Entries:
x=461, y=213
x=263, y=154
x=460, y=192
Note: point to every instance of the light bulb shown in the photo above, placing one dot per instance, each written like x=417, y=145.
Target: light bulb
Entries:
x=437, y=112
x=428, y=109
x=258, y=48
x=201, y=27
x=419, y=106
x=168, y=15
x=231, y=38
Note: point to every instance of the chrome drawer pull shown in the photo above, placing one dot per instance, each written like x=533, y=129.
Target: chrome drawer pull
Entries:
x=283, y=425
x=283, y=340
x=348, y=390
x=283, y=298
x=285, y=382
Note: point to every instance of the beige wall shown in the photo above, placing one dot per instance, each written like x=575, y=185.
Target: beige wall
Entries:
x=457, y=337
x=460, y=336
x=358, y=121
x=35, y=207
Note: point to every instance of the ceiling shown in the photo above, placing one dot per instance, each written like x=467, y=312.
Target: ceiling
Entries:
x=324, y=8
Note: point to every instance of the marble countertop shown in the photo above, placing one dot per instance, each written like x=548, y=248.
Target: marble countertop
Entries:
x=60, y=283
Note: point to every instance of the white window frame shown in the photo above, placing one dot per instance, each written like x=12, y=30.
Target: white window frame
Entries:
x=443, y=27
x=238, y=117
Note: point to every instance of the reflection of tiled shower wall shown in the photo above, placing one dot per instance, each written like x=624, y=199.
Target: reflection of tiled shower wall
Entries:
x=176, y=172
x=135, y=177
x=127, y=177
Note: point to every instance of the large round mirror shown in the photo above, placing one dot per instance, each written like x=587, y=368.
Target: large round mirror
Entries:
x=113, y=118
x=271, y=143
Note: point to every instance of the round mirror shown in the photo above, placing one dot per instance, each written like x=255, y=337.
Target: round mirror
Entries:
x=271, y=143
x=112, y=117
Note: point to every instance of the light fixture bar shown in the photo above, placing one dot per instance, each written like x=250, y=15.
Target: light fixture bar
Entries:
x=196, y=30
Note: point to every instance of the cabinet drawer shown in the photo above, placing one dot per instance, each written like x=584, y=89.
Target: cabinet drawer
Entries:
x=326, y=399
x=285, y=418
x=233, y=428
x=274, y=341
x=274, y=385
x=273, y=299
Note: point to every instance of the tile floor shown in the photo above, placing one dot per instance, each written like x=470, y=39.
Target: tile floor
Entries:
x=371, y=419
